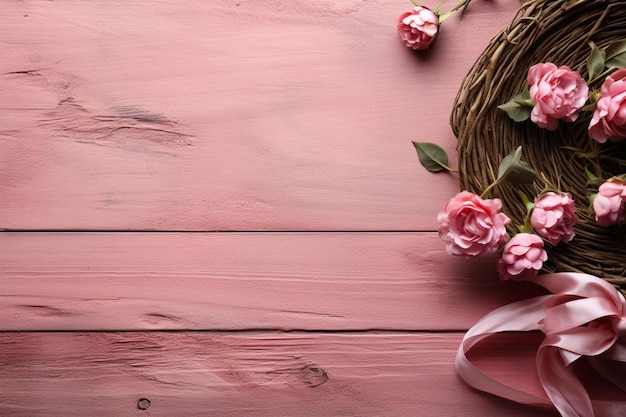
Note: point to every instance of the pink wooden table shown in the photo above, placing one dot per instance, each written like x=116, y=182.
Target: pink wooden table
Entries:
x=213, y=208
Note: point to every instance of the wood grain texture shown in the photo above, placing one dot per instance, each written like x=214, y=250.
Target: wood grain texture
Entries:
x=303, y=281
x=234, y=115
x=226, y=115
x=196, y=374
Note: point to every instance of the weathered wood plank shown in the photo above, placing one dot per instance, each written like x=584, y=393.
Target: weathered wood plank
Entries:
x=199, y=374
x=224, y=281
x=225, y=115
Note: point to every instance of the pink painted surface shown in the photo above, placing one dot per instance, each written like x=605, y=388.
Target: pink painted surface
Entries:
x=233, y=115
x=242, y=375
x=243, y=281
x=226, y=115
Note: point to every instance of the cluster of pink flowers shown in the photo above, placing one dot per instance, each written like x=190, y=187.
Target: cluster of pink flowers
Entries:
x=558, y=93
x=473, y=226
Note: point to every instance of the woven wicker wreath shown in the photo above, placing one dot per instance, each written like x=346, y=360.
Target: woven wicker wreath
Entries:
x=556, y=31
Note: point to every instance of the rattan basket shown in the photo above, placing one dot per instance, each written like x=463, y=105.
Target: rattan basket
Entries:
x=556, y=31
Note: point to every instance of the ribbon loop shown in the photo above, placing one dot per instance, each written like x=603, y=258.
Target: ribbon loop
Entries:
x=583, y=317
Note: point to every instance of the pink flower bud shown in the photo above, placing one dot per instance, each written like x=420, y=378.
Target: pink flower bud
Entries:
x=609, y=118
x=558, y=93
x=418, y=27
x=522, y=258
x=472, y=226
x=610, y=203
x=554, y=217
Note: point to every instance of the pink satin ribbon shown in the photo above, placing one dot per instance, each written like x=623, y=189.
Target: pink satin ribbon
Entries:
x=584, y=316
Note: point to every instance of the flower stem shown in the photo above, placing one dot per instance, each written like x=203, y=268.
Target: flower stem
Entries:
x=529, y=205
x=602, y=75
x=462, y=3
x=491, y=186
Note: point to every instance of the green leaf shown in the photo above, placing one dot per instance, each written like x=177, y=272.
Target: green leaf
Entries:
x=616, y=55
x=508, y=161
x=595, y=62
x=530, y=206
x=590, y=175
x=519, y=107
x=527, y=203
x=513, y=169
x=522, y=173
x=432, y=157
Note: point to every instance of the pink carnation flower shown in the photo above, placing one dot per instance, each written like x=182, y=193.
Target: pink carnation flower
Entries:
x=418, y=27
x=609, y=118
x=472, y=226
x=522, y=258
x=554, y=217
x=610, y=203
x=558, y=93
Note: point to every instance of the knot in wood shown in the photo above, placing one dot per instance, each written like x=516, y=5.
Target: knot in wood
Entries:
x=143, y=404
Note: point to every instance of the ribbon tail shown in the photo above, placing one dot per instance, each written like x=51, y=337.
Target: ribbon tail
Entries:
x=561, y=385
x=520, y=316
x=476, y=378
